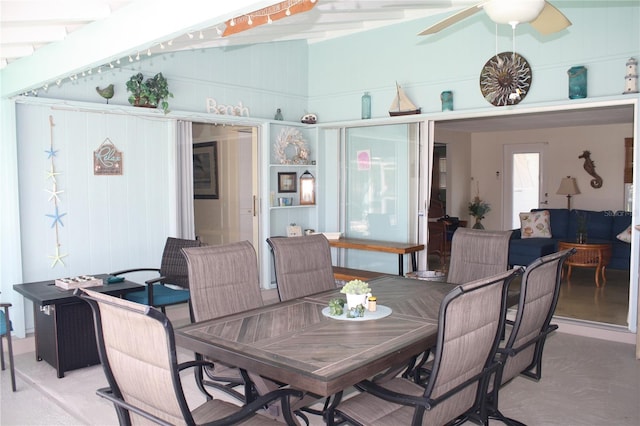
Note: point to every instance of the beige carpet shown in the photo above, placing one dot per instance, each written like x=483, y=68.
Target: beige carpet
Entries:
x=585, y=382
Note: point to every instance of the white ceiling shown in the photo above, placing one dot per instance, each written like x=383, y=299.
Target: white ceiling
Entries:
x=27, y=25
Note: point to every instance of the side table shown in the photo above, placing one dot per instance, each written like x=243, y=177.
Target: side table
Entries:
x=64, y=330
x=588, y=255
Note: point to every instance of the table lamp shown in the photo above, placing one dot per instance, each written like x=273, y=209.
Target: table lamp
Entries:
x=568, y=187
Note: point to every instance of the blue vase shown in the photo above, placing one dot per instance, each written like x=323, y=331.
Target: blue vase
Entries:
x=447, y=100
x=366, y=106
x=577, y=82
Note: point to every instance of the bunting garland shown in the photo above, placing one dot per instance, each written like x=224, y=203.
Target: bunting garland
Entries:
x=54, y=192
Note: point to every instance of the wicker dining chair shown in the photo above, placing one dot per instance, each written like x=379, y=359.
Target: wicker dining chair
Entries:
x=5, y=331
x=477, y=254
x=173, y=270
x=136, y=344
x=224, y=280
x=522, y=353
x=302, y=265
x=470, y=323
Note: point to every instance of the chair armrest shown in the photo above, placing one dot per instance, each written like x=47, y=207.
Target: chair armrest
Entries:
x=388, y=395
x=5, y=305
x=195, y=363
x=126, y=271
x=107, y=394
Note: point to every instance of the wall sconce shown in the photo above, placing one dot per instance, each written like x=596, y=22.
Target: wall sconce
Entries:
x=307, y=188
x=568, y=187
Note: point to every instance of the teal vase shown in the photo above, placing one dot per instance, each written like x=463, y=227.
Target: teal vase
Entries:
x=577, y=82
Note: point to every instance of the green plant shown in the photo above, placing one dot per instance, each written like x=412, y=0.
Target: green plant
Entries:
x=478, y=208
x=154, y=91
x=355, y=287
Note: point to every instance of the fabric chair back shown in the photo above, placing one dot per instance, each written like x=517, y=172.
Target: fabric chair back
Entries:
x=539, y=293
x=470, y=324
x=137, y=351
x=223, y=279
x=302, y=265
x=477, y=254
x=174, y=265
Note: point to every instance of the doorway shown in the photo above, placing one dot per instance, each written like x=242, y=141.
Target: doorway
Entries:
x=524, y=180
x=233, y=215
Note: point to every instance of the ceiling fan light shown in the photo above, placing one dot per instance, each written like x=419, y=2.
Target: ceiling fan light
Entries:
x=513, y=11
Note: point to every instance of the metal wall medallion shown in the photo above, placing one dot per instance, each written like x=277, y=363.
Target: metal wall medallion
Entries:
x=505, y=79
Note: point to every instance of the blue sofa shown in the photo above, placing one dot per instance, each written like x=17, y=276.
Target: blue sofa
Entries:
x=602, y=226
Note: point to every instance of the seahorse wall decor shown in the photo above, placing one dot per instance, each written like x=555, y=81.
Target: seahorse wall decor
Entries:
x=590, y=167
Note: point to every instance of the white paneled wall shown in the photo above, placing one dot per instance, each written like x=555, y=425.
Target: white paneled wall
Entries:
x=110, y=222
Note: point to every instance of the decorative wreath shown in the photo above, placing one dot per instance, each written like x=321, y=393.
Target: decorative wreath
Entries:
x=291, y=137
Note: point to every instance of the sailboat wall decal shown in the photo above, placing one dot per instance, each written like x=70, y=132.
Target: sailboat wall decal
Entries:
x=401, y=104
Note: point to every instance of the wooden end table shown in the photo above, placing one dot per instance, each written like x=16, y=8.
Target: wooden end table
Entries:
x=588, y=255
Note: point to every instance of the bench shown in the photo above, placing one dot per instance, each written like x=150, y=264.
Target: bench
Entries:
x=348, y=274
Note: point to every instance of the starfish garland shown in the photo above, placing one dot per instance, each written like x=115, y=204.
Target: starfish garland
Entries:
x=51, y=152
x=57, y=216
x=54, y=193
x=57, y=258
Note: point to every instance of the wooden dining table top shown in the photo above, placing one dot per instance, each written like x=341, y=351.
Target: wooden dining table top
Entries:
x=294, y=343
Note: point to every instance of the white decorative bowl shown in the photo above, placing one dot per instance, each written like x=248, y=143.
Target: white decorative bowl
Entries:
x=332, y=235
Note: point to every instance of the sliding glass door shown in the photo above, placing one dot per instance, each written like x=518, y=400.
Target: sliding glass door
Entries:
x=380, y=190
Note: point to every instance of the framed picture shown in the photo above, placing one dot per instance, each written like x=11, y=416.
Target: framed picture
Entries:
x=205, y=170
x=287, y=182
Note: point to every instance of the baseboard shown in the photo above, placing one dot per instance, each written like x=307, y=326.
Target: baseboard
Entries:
x=596, y=330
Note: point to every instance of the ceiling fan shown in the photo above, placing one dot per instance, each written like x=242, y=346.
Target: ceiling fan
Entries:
x=542, y=15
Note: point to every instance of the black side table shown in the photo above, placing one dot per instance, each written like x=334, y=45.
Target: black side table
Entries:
x=64, y=329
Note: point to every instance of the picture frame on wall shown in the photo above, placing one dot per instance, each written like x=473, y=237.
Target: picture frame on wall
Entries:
x=287, y=182
x=205, y=170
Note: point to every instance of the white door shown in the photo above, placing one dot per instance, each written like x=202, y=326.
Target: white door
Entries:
x=525, y=187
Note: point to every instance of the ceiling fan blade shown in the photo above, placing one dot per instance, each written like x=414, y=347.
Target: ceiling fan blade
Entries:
x=450, y=20
x=550, y=20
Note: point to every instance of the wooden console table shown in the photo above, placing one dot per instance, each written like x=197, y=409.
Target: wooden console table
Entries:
x=588, y=255
x=384, y=247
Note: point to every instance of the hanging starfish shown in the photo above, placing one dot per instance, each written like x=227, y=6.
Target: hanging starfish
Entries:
x=51, y=152
x=51, y=174
x=57, y=258
x=56, y=217
x=54, y=192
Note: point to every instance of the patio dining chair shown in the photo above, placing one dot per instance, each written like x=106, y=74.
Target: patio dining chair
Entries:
x=477, y=254
x=522, y=352
x=171, y=287
x=136, y=344
x=5, y=331
x=223, y=281
x=302, y=265
x=470, y=322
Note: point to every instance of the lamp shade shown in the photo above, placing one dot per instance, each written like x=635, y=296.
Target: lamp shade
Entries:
x=568, y=186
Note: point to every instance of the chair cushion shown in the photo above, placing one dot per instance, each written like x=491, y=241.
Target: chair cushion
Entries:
x=625, y=235
x=3, y=324
x=535, y=224
x=162, y=296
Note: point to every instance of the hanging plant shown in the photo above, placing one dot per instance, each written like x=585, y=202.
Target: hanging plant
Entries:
x=153, y=92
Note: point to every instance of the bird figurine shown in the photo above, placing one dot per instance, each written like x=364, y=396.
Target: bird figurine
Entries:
x=106, y=93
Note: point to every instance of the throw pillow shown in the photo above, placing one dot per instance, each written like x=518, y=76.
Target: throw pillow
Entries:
x=625, y=235
x=535, y=224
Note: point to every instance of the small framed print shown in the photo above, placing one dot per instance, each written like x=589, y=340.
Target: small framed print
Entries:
x=287, y=182
x=294, y=231
x=205, y=170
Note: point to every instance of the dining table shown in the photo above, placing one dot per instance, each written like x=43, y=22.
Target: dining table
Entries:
x=294, y=342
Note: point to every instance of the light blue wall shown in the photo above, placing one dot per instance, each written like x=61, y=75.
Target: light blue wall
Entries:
x=263, y=77
x=340, y=70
